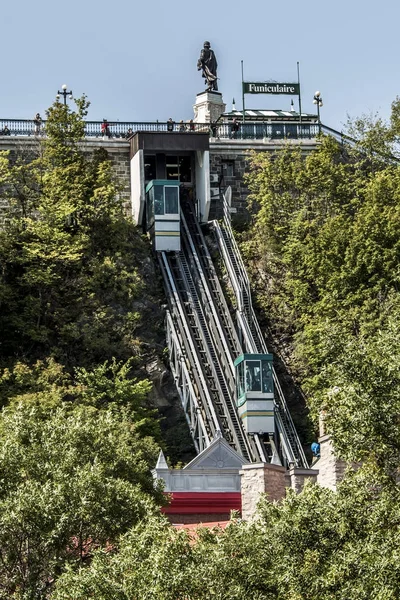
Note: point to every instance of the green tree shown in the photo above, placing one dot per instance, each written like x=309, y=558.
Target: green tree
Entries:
x=157, y=562
x=72, y=480
x=324, y=254
x=71, y=262
x=318, y=544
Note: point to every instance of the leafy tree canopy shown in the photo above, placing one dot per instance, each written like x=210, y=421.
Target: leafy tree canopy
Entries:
x=72, y=479
x=324, y=252
x=318, y=544
x=71, y=263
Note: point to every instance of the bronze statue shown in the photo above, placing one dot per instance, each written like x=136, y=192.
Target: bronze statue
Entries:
x=208, y=64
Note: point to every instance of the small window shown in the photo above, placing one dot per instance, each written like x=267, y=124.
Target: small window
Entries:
x=240, y=390
x=267, y=380
x=171, y=200
x=253, y=375
x=150, y=207
x=228, y=168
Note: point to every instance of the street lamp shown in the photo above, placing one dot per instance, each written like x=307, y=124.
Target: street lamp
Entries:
x=64, y=93
x=318, y=101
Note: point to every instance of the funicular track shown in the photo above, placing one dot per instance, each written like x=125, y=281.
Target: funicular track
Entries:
x=252, y=338
x=203, y=346
x=204, y=342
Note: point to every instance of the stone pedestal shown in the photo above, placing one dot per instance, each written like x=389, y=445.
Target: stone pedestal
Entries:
x=299, y=476
x=209, y=107
x=260, y=478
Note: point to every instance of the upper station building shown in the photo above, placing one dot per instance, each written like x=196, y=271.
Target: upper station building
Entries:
x=205, y=154
x=210, y=152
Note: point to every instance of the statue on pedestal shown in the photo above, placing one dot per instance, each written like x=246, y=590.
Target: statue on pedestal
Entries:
x=208, y=64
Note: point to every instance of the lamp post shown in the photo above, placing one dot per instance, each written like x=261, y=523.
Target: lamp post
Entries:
x=318, y=101
x=64, y=93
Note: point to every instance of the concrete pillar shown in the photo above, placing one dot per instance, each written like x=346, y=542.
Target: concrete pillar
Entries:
x=299, y=476
x=259, y=478
x=330, y=469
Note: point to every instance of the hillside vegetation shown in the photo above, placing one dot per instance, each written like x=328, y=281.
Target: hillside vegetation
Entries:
x=79, y=515
x=324, y=252
x=77, y=294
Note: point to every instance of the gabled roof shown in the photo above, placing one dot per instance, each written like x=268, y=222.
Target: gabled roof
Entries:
x=218, y=455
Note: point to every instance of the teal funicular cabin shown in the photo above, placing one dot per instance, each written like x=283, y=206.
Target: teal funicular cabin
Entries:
x=255, y=392
x=163, y=214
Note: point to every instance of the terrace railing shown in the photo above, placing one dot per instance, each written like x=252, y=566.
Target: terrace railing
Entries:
x=219, y=131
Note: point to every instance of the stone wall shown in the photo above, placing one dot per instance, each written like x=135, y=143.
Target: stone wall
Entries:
x=27, y=149
x=118, y=153
x=260, y=478
x=298, y=477
x=229, y=168
x=228, y=164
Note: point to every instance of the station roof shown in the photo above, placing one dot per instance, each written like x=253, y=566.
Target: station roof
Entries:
x=261, y=114
x=164, y=141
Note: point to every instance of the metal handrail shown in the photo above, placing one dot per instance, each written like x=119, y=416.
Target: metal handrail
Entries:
x=258, y=344
x=264, y=131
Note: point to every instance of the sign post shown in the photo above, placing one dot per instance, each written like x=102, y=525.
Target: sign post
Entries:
x=298, y=79
x=244, y=110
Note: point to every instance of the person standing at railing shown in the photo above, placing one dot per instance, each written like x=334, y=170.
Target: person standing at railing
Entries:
x=5, y=131
x=105, y=128
x=234, y=128
x=170, y=124
x=191, y=125
x=129, y=133
x=37, y=121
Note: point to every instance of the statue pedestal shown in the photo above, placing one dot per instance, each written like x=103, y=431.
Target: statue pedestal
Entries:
x=209, y=107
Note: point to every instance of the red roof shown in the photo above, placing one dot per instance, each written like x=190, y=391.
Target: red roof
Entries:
x=203, y=502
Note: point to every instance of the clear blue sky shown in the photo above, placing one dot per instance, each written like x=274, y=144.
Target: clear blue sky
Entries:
x=136, y=60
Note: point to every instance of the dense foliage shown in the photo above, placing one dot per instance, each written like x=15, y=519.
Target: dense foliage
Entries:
x=69, y=259
x=78, y=510
x=76, y=434
x=72, y=479
x=319, y=544
x=324, y=251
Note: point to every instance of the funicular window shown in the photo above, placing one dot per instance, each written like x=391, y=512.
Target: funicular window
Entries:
x=240, y=391
x=267, y=380
x=253, y=375
x=150, y=206
x=171, y=200
x=158, y=199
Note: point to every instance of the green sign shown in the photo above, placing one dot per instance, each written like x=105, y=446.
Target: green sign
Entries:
x=268, y=87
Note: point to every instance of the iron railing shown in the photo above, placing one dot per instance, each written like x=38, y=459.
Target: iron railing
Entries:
x=219, y=131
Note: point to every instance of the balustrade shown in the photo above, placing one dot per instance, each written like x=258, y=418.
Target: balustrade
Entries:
x=220, y=131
